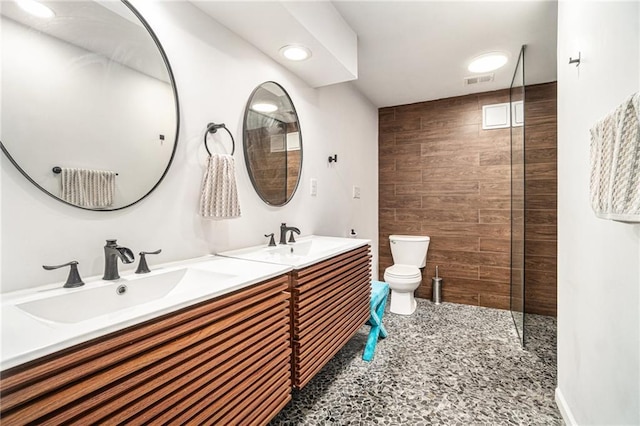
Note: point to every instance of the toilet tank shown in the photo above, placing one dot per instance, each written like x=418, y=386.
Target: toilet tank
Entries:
x=409, y=249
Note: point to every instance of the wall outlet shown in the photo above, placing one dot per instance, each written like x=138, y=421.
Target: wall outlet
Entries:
x=313, y=187
x=356, y=191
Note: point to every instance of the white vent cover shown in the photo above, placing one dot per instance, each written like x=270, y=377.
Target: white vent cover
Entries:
x=500, y=116
x=485, y=78
x=496, y=116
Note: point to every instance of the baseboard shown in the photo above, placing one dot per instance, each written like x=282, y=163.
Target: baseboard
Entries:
x=565, y=411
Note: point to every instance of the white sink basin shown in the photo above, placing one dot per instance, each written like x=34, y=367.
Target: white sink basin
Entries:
x=306, y=251
x=40, y=321
x=111, y=297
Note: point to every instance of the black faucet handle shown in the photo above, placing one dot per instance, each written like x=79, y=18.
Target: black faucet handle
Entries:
x=143, y=268
x=291, y=239
x=73, y=280
x=272, y=240
x=142, y=253
x=51, y=268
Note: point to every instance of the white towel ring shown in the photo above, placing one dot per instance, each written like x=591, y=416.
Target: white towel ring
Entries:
x=213, y=128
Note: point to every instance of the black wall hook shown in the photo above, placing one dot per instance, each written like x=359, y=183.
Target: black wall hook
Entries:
x=333, y=159
x=576, y=60
x=213, y=128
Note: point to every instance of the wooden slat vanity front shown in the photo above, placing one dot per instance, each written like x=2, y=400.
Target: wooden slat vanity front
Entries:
x=224, y=361
x=329, y=303
x=228, y=360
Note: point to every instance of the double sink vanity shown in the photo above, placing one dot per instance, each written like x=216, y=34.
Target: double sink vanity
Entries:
x=215, y=340
x=218, y=340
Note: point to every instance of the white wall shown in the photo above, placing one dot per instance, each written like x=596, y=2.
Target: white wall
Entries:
x=215, y=73
x=598, y=260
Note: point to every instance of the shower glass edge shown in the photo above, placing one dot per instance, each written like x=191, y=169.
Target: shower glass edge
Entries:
x=517, y=264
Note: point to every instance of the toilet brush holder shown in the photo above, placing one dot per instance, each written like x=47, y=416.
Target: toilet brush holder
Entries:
x=436, y=287
x=436, y=284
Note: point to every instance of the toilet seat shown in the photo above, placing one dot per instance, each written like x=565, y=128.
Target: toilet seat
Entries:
x=403, y=272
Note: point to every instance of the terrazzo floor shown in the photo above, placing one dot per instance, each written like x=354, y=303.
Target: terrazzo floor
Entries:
x=445, y=365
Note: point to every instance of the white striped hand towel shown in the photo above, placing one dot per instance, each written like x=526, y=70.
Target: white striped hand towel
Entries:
x=219, y=193
x=615, y=163
x=88, y=188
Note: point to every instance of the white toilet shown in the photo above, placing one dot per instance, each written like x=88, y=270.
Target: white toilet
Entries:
x=409, y=254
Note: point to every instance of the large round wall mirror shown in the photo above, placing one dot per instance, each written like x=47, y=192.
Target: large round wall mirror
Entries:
x=89, y=103
x=272, y=144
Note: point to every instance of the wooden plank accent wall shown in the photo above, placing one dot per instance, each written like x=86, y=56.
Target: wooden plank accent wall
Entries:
x=541, y=187
x=441, y=175
x=330, y=302
x=224, y=361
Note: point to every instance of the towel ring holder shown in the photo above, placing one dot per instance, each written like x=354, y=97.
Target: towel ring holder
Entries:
x=213, y=128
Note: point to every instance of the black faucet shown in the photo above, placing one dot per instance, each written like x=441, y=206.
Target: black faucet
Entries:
x=112, y=251
x=283, y=233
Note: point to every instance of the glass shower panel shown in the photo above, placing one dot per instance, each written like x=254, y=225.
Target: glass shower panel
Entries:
x=517, y=196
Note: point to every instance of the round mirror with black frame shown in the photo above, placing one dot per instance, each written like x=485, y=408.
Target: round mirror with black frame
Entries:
x=89, y=102
x=272, y=144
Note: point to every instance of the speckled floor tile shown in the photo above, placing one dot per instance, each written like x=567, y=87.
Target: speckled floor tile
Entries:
x=445, y=365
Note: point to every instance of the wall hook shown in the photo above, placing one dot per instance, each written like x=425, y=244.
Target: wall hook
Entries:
x=333, y=159
x=575, y=61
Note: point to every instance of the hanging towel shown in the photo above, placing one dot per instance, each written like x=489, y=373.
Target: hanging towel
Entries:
x=615, y=163
x=219, y=194
x=88, y=188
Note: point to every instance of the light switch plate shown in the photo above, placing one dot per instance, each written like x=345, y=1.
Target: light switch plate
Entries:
x=313, y=187
x=356, y=191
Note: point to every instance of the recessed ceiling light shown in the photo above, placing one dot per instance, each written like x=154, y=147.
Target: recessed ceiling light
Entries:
x=264, y=107
x=295, y=52
x=36, y=8
x=488, y=62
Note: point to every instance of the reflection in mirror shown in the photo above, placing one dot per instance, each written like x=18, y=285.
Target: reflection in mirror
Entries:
x=272, y=144
x=90, y=91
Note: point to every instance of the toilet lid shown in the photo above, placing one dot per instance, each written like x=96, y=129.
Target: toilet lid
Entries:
x=403, y=271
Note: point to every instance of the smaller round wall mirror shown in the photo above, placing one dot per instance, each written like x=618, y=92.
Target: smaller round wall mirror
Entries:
x=272, y=144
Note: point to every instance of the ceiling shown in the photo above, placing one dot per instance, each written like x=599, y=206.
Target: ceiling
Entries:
x=407, y=51
x=270, y=25
x=416, y=51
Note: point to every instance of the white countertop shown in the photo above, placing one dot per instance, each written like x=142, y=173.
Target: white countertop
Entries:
x=304, y=252
x=26, y=337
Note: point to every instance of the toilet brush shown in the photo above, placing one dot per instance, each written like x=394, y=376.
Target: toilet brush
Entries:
x=436, y=286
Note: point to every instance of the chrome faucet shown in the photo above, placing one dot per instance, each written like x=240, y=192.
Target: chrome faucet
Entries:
x=283, y=233
x=112, y=251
